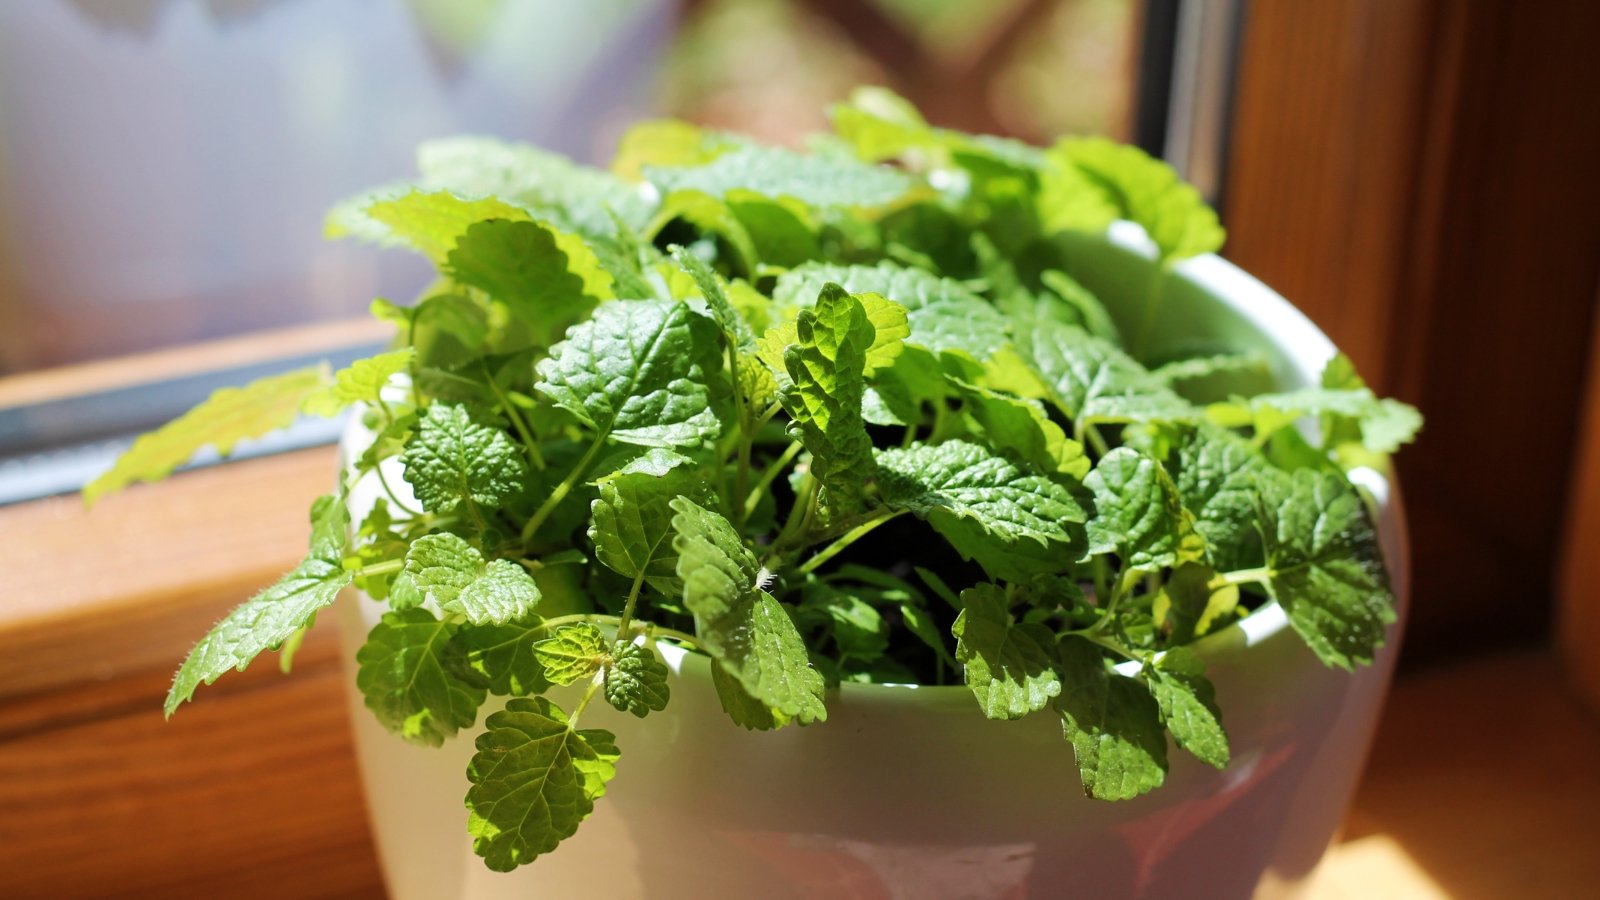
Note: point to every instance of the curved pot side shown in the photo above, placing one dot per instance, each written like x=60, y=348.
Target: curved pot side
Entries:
x=910, y=792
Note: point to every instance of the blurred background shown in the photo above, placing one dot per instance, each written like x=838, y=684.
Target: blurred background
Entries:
x=1417, y=175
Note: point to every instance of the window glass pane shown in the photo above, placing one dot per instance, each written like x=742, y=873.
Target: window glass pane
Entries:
x=165, y=164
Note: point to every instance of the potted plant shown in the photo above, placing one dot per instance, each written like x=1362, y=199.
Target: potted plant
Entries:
x=960, y=468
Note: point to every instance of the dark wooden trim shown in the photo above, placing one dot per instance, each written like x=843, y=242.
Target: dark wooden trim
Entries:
x=1418, y=176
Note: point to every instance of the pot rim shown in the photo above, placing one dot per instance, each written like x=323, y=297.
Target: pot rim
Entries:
x=1247, y=297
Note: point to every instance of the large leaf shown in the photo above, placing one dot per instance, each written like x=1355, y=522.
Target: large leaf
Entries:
x=548, y=280
x=1133, y=184
x=271, y=617
x=1138, y=514
x=1188, y=705
x=631, y=522
x=574, y=197
x=1010, y=666
x=1015, y=522
x=1113, y=723
x=740, y=625
x=815, y=180
x=429, y=222
x=534, y=780
x=411, y=676
x=229, y=416
x=1091, y=381
x=639, y=371
x=1219, y=478
x=1021, y=426
x=1327, y=567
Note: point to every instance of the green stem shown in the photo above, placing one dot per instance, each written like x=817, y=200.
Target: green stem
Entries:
x=800, y=513
x=384, y=483
x=1113, y=646
x=628, y=607
x=846, y=540
x=383, y=568
x=768, y=476
x=594, y=686
x=1092, y=435
x=562, y=490
x=535, y=458
x=654, y=631
x=1242, y=576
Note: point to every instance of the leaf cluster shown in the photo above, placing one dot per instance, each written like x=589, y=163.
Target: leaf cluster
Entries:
x=847, y=415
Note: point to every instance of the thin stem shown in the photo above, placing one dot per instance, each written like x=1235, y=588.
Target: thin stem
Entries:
x=1242, y=576
x=562, y=490
x=768, y=476
x=535, y=458
x=384, y=483
x=594, y=686
x=1111, y=645
x=628, y=607
x=805, y=497
x=655, y=631
x=383, y=568
x=1092, y=434
x=846, y=540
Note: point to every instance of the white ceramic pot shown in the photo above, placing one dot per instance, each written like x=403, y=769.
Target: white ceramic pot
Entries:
x=909, y=791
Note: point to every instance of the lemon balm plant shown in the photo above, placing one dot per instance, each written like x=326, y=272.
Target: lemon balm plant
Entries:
x=841, y=415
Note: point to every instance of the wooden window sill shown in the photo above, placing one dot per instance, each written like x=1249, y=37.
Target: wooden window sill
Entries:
x=253, y=790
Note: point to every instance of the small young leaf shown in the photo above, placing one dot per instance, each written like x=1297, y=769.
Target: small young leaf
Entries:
x=636, y=680
x=411, y=676
x=361, y=382
x=575, y=652
x=534, y=780
x=455, y=458
x=1188, y=706
x=638, y=371
x=229, y=416
x=1010, y=666
x=1327, y=567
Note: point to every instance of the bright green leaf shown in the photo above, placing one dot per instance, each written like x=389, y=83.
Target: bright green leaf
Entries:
x=411, y=676
x=229, y=416
x=1113, y=723
x=639, y=372
x=823, y=398
x=455, y=458
x=1010, y=666
x=1327, y=567
x=271, y=617
x=573, y=653
x=534, y=780
x=362, y=381
x=1013, y=521
x=636, y=680
x=740, y=625
x=1138, y=515
x=1188, y=706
